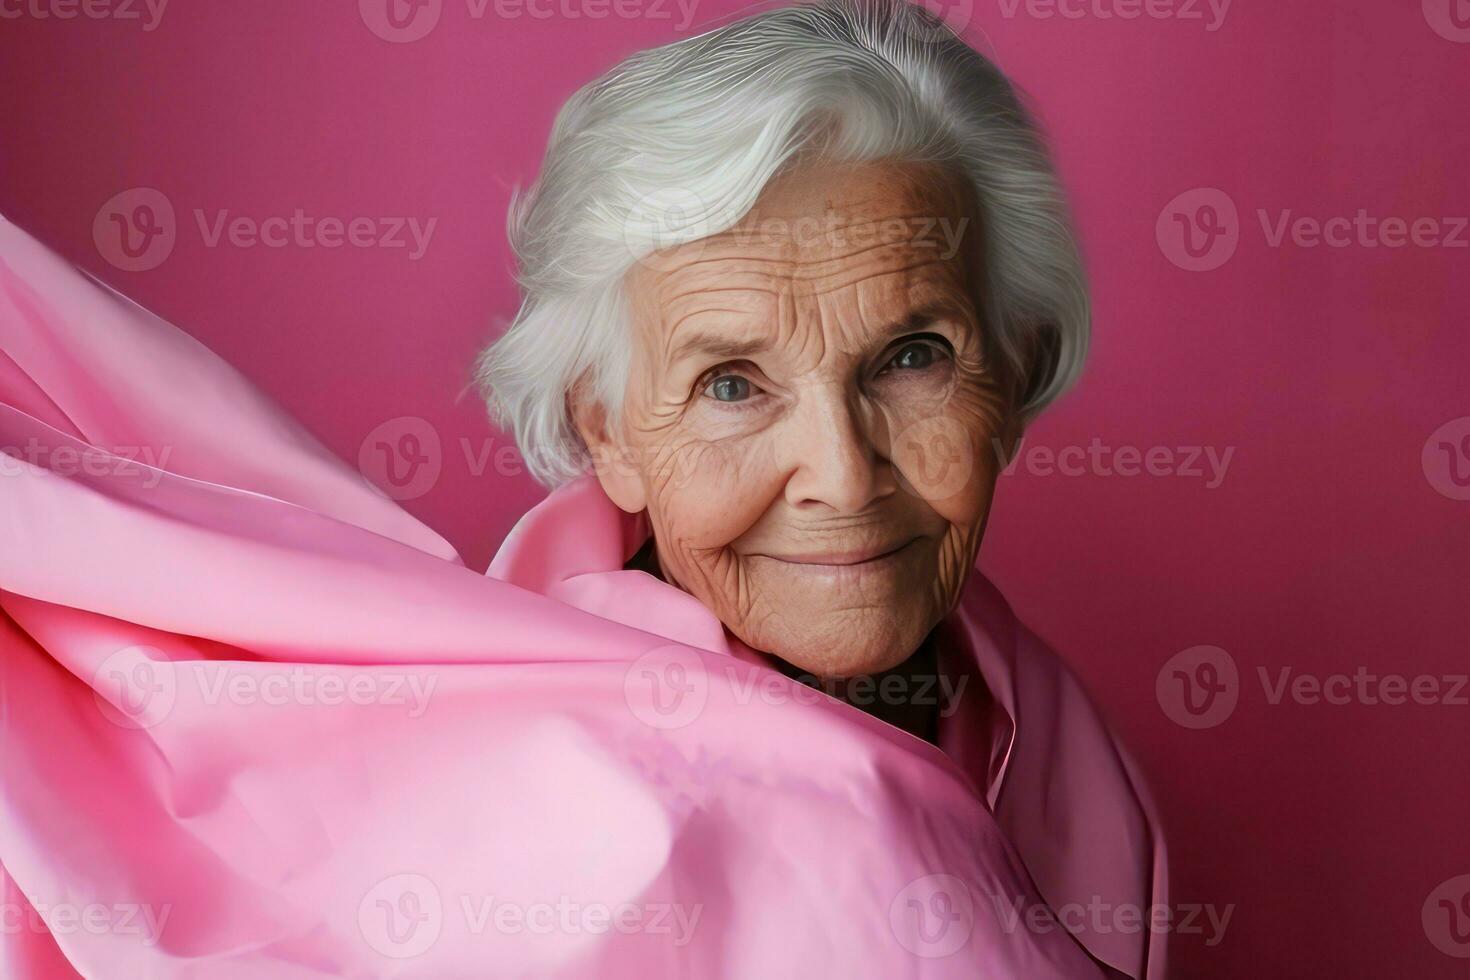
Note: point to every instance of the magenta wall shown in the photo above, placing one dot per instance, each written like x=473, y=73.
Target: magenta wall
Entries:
x=1335, y=541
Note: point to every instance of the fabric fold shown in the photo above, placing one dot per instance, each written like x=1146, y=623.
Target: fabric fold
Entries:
x=257, y=721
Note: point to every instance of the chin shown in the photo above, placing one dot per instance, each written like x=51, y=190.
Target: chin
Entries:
x=849, y=650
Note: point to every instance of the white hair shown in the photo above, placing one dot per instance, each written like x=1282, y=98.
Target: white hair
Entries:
x=677, y=142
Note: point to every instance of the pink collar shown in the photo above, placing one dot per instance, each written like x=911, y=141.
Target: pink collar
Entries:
x=1073, y=806
x=573, y=545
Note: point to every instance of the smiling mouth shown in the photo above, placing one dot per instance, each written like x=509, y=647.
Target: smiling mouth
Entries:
x=841, y=559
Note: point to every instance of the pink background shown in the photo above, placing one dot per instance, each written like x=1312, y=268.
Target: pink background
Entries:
x=1327, y=547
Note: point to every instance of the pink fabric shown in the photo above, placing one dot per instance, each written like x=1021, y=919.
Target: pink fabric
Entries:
x=256, y=721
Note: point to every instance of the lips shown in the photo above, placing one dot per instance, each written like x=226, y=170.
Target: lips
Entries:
x=842, y=558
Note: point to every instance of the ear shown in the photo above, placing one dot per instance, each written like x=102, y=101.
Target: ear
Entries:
x=613, y=460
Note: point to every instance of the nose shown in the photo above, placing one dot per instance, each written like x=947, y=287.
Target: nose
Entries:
x=834, y=460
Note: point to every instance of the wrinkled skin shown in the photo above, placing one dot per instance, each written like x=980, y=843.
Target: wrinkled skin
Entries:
x=811, y=418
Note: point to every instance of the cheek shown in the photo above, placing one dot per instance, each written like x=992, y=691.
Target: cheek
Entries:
x=944, y=447
x=704, y=493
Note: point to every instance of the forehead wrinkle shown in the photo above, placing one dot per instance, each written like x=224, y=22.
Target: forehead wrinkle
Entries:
x=840, y=279
x=788, y=325
x=742, y=253
x=702, y=311
x=674, y=340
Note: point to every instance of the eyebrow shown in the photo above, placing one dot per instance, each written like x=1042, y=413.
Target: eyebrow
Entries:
x=722, y=346
x=718, y=345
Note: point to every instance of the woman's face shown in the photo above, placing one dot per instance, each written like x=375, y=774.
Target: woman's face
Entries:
x=810, y=415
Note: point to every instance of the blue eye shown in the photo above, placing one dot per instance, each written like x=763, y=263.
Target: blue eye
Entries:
x=729, y=388
x=913, y=357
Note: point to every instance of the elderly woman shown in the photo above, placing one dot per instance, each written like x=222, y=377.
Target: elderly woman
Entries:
x=789, y=286
x=789, y=289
